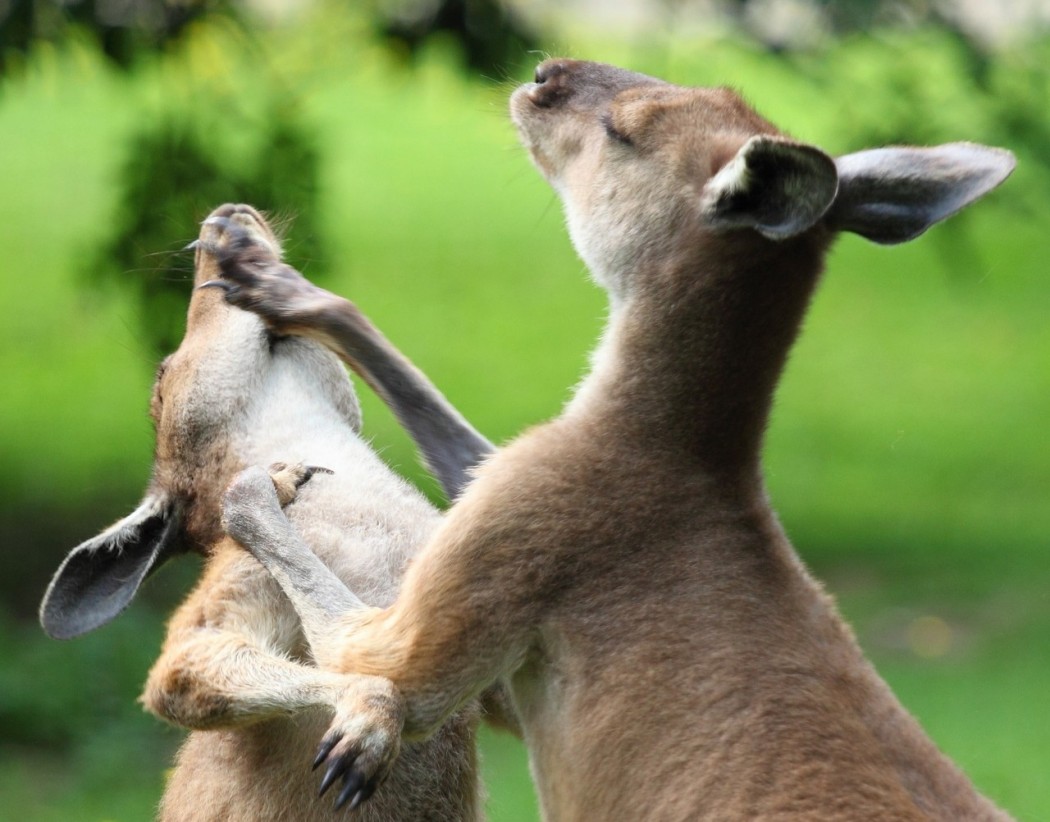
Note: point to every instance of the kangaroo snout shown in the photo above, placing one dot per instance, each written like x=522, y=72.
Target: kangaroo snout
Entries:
x=552, y=83
x=558, y=80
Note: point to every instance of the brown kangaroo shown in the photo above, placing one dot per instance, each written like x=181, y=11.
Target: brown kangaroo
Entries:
x=235, y=667
x=620, y=568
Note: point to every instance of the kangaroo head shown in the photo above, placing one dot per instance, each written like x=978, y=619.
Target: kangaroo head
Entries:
x=646, y=169
x=231, y=395
x=708, y=227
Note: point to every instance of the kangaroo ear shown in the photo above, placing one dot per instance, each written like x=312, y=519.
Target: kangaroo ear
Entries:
x=100, y=577
x=776, y=186
x=891, y=195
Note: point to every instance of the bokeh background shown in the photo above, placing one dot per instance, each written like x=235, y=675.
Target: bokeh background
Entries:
x=909, y=455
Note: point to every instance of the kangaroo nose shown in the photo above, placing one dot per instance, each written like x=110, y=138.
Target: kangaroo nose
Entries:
x=552, y=82
x=550, y=69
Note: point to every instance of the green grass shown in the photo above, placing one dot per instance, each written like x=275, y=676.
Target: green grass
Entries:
x=908, y=453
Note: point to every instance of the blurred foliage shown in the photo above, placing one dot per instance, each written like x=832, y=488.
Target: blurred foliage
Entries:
x=943, y=71
x=123, y=29
x=791, y=25
x=175, y=169
x=490, y=35
x=181, y=162
x=923, y=87
x=70, y=709
x=174, y=175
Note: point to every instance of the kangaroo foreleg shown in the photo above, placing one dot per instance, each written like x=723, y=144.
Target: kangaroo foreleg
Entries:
x=370, y=716
x=253, y=517
x=255, y=279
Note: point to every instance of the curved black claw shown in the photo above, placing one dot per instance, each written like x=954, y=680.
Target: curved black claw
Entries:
x=339, y=766
x=362, y=795
x=225, y=286
x=322, y=754
x=330, y=776
x=252, y=276
x=237, y=240
x=357, y=787
x=309, y=471
x=353, y=785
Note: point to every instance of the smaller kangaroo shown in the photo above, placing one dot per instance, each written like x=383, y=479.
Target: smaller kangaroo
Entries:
x=620, y=568
x=235, y=668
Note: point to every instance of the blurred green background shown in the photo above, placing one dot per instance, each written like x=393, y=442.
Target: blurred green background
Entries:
x=908, y=455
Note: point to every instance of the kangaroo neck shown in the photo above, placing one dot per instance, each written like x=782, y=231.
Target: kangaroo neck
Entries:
x=690, y=360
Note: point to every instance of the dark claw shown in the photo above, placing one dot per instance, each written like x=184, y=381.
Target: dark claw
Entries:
x=324, y=750
x=351, y=788
x=207, y=246
x=331, y=775
x=225, y=286
x=362, y=795
x=309, y=471
x=358, y=798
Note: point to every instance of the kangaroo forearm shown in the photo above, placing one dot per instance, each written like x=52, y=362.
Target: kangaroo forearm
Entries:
x=220, y=680
x=437, y=659
x=290, y=304
x=317, y=594
x=449, y=444
x=253, y=517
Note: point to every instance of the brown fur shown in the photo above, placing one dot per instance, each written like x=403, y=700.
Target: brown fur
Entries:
x=620, y=569
x=235, y=668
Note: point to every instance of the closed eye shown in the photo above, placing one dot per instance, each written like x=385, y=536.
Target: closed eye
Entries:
x=613, y=132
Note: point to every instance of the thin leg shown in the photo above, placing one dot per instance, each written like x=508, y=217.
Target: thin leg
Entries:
x=255, y=279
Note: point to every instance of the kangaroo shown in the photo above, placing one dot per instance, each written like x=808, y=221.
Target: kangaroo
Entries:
x=620, y=568
x=235, y=667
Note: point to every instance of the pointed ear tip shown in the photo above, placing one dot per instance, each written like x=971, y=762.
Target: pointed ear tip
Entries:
x=65, y=620
x=996, y=172
x=999, y=162
x=1007, y=155
x=100, y=577
x=58, y=625
x=57, y=629
x=1007, y=162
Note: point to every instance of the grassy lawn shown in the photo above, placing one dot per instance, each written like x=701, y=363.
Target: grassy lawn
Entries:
x=908, y=454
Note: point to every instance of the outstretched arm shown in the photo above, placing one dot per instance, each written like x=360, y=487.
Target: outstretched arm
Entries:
x=222, y=667
x=256, y=280
x=425, y=656
x=227, y=662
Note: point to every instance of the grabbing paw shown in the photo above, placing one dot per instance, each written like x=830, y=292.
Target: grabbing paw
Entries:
x=288, y=479
x=251, y=506
x=252, y=275
x=363, y=741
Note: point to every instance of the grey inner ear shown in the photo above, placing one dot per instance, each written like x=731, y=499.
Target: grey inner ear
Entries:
x=776, y=186
x=101, y=576
x=891, y=195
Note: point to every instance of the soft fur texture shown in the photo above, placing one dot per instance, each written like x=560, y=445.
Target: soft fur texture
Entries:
x=235, y=667
x=620, y=568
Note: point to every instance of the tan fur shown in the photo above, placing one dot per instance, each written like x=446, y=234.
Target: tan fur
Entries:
x=620, y=568
x=235, y=667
